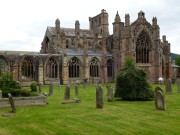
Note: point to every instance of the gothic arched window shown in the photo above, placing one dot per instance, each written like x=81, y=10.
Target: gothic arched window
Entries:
x=94, y=68
x=110, y=68
x=74, y=67
x=51, y=68
x=27, y=69
x=3, y=66
x=142, y=48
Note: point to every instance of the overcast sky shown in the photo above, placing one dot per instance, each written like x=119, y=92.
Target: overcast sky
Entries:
x=23, y=22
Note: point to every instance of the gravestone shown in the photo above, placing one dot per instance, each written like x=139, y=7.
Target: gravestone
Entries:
x=75, y=100
x=99, y=97
x=70, y=83
x=159, y=99
x=76, y=90
x=178, y=85
x=0, y=94
x=50, y=89
x=40, y=88
x=110, y=93
x=12, y=103
x=85, y=82
x=168, y=86
x=67, y=93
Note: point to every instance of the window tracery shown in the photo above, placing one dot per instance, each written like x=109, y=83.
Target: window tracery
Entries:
x=27, y=69
x=94, y=68
x=142, y=48
x=74, y=67
x=51, y=69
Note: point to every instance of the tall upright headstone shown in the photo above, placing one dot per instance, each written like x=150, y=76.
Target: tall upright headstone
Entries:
x=178, y=85
x=50, y=89
x=67, y=93
x=159, y=99
x=76, y=90
x=12, y=103
x=99, y=97
x=168, y=86
x=110, y=93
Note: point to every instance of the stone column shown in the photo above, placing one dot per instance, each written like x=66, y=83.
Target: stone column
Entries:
x=86, y=68
x=65, y=71
x=15, y=73
x=65, y=75
x=40, y=75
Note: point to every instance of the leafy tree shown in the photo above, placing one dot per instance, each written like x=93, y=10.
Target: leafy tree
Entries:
x=177, y=61
x=132, y=83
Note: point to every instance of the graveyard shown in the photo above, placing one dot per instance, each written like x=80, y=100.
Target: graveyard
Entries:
x=115, y=117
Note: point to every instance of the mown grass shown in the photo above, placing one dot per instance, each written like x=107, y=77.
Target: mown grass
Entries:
x=117, y=117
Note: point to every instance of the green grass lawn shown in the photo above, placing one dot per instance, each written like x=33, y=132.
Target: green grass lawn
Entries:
x=117, y=117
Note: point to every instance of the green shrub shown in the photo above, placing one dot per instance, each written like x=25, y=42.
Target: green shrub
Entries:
x=7, y=84
x=25, y=93
x=33, y=94
x=34, y=87
x=132, y=83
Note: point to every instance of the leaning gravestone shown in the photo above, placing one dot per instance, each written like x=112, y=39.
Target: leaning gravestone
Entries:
x=76, y=90
x=67, y=93
x=178, y=85
x=99, y=97
x=159, y=99
x=50, y=89
x=0, y=94
x=110, y=93
x=12, y=103
x=168, y=86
